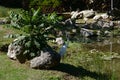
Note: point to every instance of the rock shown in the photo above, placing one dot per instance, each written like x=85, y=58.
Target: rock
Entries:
x=100, y=23
x=69, y=22
x=107, y=33
x=46, y=60
x=96, y=25
x=97, y=17
x=86, y=32
x=97, y=28
x=104, y=16
x=108, y=25
x=59, y=41
x=93, y=26
x=15, y=51
x=76, y=15
x=86, y=26
x=88, y=13
x=3, y=21
x=104, y=24
x=85, y=19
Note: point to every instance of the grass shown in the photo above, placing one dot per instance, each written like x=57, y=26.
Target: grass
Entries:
x=71, y=68
x=79, y=63
x=4, y=12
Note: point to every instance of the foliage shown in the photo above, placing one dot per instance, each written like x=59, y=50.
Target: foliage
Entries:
x=54, y=3
x=37, y=26
x=46, y=5
x=79, y=63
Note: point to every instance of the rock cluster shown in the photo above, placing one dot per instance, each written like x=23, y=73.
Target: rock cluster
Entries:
x=47, y=57
x=97, y=28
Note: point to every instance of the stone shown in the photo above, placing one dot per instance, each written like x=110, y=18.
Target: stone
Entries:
x=3, y=21
x=88, y=13
x=97, y=17
x=69, y=22
x=100, y=23
x=108, y=25
x=104, y=16
x=107, y=33
x=76, y=15
x=46, y=60
x=104, y=24
x=86, y=32
x=86, y=26
x=15, y=51
x=59, y=41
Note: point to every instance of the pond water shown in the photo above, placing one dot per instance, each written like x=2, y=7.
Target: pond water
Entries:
x=106, y=44
x=110, y=45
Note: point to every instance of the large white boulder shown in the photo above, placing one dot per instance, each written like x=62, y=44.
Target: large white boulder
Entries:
x=88, y=13
x=46, y=60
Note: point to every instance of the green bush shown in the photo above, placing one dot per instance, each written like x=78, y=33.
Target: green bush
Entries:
x=46, y=5
x=38, y=28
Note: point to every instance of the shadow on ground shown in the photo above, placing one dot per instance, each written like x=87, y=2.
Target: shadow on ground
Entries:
x=80, y=72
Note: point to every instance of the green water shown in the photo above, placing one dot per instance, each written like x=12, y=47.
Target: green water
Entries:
x=106, y=45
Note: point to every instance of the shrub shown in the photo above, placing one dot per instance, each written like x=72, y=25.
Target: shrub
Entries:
x=38, y=28
x=46, y=5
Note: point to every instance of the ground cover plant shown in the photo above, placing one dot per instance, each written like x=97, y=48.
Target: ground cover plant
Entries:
x=80, y=62
x=38, y=28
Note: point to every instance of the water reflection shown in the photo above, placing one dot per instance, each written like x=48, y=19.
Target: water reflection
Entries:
x=102, y=44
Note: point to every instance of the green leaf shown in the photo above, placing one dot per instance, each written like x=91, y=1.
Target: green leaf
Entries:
x=26, y=28
x=37, y=44
x=35, y=14
x=28, y=44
